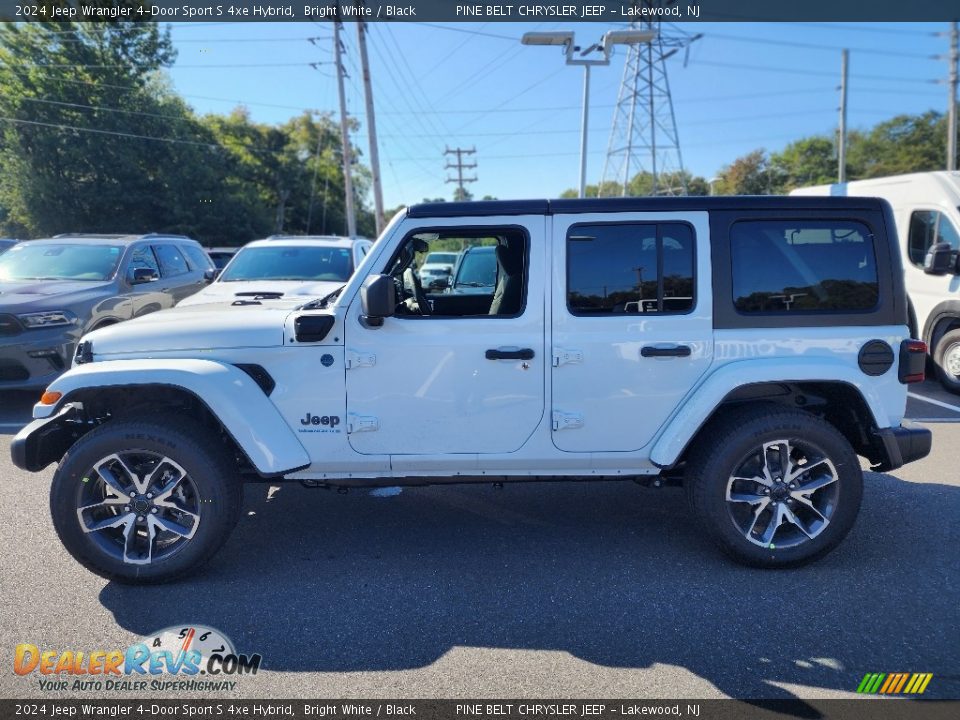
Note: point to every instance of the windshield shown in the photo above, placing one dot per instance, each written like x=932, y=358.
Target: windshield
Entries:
x=26, y=261
x=478, y=269
x=290, y=263
x=440, y=259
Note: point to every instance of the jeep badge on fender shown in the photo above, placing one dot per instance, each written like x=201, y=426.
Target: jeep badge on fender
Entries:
x=750, y=349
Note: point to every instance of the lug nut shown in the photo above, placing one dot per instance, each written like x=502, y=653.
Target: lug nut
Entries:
x=126, y=508
x=155, y=511
x=149, y=496
x=140, y=518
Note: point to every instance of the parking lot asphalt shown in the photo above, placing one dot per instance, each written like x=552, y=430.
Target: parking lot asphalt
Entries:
x=599, y=589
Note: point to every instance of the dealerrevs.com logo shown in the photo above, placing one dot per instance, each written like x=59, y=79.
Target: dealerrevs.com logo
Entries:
x=192, y=657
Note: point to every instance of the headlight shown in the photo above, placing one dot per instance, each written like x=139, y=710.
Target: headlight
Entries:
x=51, y=318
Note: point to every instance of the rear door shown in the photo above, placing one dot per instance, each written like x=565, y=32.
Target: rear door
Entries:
x=177, y=279
x=632, y=329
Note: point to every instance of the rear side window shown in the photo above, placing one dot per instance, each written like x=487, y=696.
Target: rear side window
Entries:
x=198, y=259
x=630, y=268
x=785, y=266
x=172, y=262
x=926, y=228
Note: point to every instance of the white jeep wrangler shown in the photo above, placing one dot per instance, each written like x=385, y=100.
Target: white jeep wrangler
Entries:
x=748, y=348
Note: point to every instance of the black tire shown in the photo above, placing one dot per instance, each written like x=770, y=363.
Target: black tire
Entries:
x=214, y=488
x=947, y=345
x=730, y=443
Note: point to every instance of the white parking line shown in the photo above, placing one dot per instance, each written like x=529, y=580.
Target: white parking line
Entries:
x=939, y=403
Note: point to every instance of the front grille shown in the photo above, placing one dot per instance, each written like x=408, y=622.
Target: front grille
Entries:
x=9, y=325
x=11, y=370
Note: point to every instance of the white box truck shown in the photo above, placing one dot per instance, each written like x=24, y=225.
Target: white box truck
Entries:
x=926, y=208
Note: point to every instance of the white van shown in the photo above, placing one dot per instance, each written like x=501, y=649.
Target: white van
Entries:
x=926, y=207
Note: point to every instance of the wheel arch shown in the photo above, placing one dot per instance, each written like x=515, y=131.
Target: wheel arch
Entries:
x=839, y=402
x=221, y=396
x=944, y=318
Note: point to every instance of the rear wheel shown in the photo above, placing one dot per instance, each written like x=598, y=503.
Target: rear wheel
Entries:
x=145, y=501
x=774, y=487
x=946, y=358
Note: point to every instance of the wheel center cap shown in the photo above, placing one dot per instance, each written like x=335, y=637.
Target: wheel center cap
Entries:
x=779, y=492
x=141, y=505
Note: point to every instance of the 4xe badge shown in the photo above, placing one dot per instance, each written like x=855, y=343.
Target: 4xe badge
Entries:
x=320, y=423
x=172, y=659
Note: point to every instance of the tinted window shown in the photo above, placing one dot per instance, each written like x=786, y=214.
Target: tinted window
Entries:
x=630, y=268
x=279, y=262
x=29, y=261
x=198, y=259
x=477, y=269
x=143, y=257
x=172, y=262
x=802, y=266
x=926, y=228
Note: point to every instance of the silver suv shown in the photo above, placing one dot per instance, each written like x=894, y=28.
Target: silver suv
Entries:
x=53, y=291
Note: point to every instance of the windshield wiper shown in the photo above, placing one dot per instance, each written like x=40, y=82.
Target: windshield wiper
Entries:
x=324, y=301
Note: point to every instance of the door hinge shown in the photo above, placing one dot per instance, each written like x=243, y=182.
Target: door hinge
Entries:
x=562, y=357
x=567, y=421
x=362, y=423
x=356, y=359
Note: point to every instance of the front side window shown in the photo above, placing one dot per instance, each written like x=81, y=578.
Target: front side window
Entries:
x=172, y=262
x=461, y=272
x=630, y=268
x=286, y=262
x=47, y=261
x=787, y=266
x=143, y=257
x=926, y=228
x=198, y=259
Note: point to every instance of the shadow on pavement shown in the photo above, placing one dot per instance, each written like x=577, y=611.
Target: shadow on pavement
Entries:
x=613, y=574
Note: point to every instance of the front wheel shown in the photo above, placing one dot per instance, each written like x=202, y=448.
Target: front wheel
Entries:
x=946, y=360
x=774, y=487
x=145, y=501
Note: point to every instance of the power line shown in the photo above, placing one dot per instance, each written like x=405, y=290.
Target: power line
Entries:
x=793, y=71
x=116, y=133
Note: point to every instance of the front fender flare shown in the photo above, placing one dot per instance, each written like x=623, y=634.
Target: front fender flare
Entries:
x=709, y=395
x=230, y=394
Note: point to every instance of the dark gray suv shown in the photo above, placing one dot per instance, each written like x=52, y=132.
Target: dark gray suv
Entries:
x=52, y=291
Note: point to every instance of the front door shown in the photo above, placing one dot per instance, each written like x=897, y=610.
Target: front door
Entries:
x=453, y=371
x=632, y=330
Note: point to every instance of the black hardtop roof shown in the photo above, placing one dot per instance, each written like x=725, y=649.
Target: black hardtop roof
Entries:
x=640, y=204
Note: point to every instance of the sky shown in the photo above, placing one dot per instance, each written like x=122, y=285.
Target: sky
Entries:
x=740, y=87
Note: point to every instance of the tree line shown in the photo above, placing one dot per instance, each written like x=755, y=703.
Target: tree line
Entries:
x=903, y=144
x=94, y=139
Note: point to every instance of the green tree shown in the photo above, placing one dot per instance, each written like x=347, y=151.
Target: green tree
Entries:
x=903, y=144
x=810, y=161
x=83, y=100
x=748, y=175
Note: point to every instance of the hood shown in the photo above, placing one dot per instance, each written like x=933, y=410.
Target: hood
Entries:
x=228, y=291
x=199, y=329
x=30, y=295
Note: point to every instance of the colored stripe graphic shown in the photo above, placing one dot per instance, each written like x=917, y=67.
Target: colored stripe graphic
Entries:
x=894, y=683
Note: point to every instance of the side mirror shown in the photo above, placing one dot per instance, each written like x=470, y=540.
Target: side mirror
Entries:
x=378, y=299
x=940, y=260
x=143, y=275
x=211, y=275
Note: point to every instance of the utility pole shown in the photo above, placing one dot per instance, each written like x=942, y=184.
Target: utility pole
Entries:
x=371, y=127
x=344, y=134
x=952, y=111
x=460, y=166
x=842, y=132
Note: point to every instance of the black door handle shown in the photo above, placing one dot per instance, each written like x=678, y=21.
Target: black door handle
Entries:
x=674, y=351
x=524, y=354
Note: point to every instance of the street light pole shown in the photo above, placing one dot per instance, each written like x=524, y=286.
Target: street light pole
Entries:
x=583, y=136
x=565, y=38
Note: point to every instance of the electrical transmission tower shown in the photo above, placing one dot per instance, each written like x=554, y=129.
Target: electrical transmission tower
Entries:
x=460, y=166
x=644, y=133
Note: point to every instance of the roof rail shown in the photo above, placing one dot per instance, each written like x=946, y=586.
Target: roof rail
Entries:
x=96, y=235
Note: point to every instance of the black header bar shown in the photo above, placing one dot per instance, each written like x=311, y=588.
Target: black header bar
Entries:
x=537, y=11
